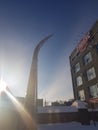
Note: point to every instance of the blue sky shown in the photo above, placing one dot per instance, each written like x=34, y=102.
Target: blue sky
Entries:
x=23, y=23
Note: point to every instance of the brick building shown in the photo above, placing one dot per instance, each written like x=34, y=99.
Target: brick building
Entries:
x=84, y=67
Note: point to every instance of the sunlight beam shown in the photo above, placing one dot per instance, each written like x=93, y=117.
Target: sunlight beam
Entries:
x=28, y=120
x=2, y=85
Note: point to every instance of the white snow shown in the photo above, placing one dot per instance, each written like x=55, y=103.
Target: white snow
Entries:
x=79, y=104
x=57, y=109
x=68, y=126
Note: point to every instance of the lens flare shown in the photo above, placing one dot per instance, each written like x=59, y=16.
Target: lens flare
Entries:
x=29, y=121
x=2, y=85
x=26, y=117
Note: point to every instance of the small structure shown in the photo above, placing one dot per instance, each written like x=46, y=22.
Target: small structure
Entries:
x=80, y=104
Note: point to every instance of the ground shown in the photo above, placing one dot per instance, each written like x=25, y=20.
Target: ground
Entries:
x=68, y=126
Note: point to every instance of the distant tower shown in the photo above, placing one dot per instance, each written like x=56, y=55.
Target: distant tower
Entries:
x=31, y=95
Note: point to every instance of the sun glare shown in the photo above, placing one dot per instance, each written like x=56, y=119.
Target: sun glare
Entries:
x=2, y=85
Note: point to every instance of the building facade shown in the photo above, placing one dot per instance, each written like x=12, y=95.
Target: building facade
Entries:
x=84, y=67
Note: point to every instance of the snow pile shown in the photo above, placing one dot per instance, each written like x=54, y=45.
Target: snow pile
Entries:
x=57, y=109
x=79, y=104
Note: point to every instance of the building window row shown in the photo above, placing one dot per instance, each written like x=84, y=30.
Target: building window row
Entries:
x=81, y=95
x=94, y=91
x=79, y=81
x=86, y=59
x=77, y=67
x=90, y=73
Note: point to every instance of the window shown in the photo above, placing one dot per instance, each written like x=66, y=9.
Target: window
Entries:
x=94, y=91
x=87, y=58
x=77, y=67
x=91, y=73
x=79, y=81
x=82, y=95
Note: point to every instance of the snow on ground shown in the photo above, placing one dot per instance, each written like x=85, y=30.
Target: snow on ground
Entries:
x=68, y=126
x=57, y=109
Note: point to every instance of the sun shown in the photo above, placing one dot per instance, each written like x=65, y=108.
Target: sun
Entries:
x=2, y=85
